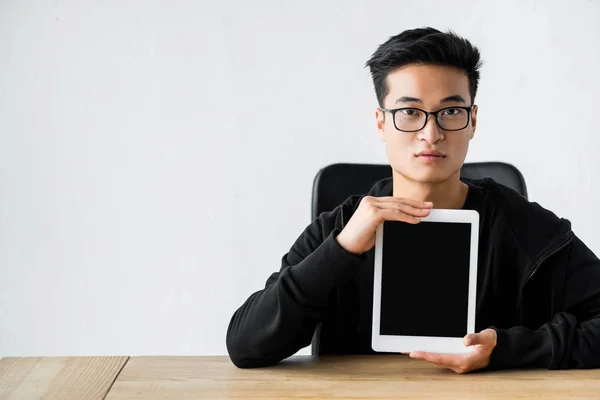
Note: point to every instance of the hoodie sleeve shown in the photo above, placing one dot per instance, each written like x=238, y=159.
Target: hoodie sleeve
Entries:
x=572, y=338
x=279, y=320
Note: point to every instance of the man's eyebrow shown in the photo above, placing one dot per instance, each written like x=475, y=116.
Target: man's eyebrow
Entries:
x=450, y=99
x=453, y=99
x=408, y=99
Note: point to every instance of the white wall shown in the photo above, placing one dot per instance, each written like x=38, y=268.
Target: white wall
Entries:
x=156, y=158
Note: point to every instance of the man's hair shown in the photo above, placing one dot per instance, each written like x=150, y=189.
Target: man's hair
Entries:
x=424, y=46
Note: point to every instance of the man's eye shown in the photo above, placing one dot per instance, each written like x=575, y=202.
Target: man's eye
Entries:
x=409, y=112
x=452, y=111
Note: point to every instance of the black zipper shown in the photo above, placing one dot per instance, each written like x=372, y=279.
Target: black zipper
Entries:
x=544, y=258
x=537, y=267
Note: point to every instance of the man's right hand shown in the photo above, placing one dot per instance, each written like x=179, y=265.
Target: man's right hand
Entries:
x=358, y=236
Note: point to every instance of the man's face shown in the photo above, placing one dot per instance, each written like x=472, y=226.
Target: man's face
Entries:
x=430, y=88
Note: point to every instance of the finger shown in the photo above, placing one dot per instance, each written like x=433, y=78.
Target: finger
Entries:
x=396, y=215
x=485, y=337
x=400, y=200
x=445, y=360
x=416, y=212
x=472, y=339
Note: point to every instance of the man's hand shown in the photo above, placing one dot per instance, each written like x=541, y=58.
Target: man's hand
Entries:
x=358, y=236
x=479, y=357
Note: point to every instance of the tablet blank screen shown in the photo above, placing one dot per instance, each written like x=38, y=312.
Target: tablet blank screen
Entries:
x=425, y=279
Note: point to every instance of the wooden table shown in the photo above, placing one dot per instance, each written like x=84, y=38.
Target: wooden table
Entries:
x=301, y=377
x=58, y=377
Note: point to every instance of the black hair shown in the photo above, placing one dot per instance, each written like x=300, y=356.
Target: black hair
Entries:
x=425, y=46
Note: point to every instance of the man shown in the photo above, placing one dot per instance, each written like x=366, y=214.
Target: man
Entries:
x=538, y=294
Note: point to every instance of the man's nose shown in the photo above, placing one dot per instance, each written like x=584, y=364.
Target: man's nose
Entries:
x=431, y=132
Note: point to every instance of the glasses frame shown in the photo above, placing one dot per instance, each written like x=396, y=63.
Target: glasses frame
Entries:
x=427, y=114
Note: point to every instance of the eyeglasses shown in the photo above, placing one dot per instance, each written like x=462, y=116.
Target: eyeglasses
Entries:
x=411, y=119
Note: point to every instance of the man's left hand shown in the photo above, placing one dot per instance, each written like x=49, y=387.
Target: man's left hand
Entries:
x=479, y=357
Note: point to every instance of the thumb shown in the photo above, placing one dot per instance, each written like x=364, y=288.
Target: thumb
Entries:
x=484, y=337
x=471, y=339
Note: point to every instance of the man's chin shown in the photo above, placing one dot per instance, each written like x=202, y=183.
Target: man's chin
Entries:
x=430, y=177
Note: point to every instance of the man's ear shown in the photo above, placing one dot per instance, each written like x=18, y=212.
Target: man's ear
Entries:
x=380, y=121
x=473, y=120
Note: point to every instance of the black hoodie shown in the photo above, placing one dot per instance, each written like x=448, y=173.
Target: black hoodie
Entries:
x=538, y=286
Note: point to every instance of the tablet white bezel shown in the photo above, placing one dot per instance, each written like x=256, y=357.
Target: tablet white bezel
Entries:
x=405, y=344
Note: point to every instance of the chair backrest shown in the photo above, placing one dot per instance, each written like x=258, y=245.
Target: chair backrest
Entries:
x=336, y=182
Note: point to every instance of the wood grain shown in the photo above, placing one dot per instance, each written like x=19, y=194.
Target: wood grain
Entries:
x=340, y=377
x=61, y=378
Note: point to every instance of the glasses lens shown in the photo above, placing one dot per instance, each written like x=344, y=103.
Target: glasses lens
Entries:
x=409, y=119
x=453, y=119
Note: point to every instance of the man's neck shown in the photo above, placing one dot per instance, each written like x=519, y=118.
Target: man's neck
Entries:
x=450, y=194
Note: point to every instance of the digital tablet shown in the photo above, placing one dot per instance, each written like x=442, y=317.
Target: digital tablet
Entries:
x=425, y=283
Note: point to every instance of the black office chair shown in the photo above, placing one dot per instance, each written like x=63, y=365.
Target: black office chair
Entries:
x=336, y=182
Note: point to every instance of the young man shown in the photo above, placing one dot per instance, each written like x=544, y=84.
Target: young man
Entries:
x=538, y=289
